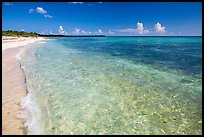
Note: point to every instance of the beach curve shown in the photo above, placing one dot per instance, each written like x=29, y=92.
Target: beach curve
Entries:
x=13, y=84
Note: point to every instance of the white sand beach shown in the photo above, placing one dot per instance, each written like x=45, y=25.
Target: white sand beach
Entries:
x=13, y=85
x=11, y=42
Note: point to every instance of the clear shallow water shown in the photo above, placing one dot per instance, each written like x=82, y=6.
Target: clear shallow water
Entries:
x=114, y=85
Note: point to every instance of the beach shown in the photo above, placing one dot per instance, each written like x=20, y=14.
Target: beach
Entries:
x=12, y=42
x=101, y=70
x=13, y=85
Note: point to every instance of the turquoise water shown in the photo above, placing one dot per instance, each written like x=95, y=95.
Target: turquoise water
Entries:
x=114, y=85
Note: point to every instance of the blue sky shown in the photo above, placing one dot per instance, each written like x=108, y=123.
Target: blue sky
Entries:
x=108, y=18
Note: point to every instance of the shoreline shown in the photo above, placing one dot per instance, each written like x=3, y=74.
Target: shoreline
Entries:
x=13, y=85
x=12, y=42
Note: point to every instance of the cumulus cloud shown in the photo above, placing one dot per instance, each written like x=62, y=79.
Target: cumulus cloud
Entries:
x=31, y=11
x=159, y=28
x=61, y=30
x=99, y=31
x=41, y=10
x=76, y=31
x=85, y=32
x=140, y=29
x=47, y=16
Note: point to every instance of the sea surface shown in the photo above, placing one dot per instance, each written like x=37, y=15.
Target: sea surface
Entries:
x=114, y=85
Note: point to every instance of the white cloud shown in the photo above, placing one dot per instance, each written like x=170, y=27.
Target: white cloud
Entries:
x=31, y=11
x=76, y=31
x=22, y=29
x=76, y=2
x=159, y=28
x=61, y=30
x=41, y=10
x=85, y=32
x=140, y=29
x=110, y=32
x=47, y=16
x=100, y=31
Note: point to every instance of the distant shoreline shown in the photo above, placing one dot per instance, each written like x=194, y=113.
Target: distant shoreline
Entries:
x=106, y=36
x=72, y=35
x=34, y=34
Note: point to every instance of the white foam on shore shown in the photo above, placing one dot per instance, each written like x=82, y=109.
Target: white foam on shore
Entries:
x=32, y=115
x=32, y=112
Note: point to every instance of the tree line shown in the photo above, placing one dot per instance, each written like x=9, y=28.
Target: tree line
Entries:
x=19, y=33
x=34, y=34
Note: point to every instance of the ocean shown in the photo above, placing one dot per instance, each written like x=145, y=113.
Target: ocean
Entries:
x=114, y=85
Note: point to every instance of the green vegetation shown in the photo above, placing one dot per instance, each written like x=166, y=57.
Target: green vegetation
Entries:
x=34, y=34
x=19, y=33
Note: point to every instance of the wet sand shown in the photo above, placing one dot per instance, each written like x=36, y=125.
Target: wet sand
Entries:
x=13, y=87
